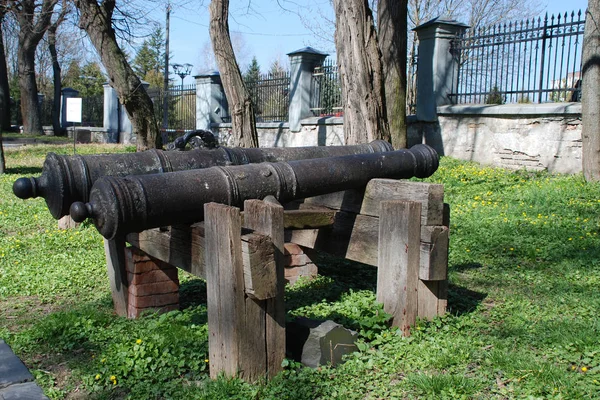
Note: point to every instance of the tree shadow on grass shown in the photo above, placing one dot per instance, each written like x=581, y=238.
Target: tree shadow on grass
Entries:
x=192, y=293
x=462, y=300
x=24, y=170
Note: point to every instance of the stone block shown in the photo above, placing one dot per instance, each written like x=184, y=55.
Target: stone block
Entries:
x=12, y=369
x=23, y=391
x=317, y=343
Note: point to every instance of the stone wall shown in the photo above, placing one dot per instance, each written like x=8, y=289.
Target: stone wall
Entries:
x=532, y=136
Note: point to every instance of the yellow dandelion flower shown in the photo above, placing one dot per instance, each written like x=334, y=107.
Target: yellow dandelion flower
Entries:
x=583, y=369
x=98, y=376
x=573, y=368
x=113, y=378
x=206, y=360
x=139, y=341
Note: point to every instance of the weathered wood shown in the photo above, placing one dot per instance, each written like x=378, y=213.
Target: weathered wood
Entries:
x=434, y=253
x=236, y=338
x=181, y=246
x=432, y=298
x=117, y=274
x=352, y=236
x=260, y=275
x=267, y=219
x=306, y=219
x=366, y=202
x=398, y=273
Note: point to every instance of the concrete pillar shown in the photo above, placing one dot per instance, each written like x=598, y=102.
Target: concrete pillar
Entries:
x=65, y=94
x=437, y=74
x=116, y=121
x=211, y=103
x=111, y=114
x=302, y=64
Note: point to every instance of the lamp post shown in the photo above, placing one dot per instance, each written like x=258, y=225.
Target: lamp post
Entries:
x=182, y=70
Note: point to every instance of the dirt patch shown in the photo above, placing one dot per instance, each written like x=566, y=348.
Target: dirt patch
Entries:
x=21, y=312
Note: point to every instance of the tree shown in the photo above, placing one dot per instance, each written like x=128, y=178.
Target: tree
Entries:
x=243, y=122
x=252, y=74
x=4, y=87
x=590, y=101
x=361, y=72
x=34, y=19
x=150, y=57
x=96, y=19
x=392, y=24
x=56, y=70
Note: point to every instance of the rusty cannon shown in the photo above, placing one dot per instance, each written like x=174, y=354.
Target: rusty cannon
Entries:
x=67, y=179
x=121, y=205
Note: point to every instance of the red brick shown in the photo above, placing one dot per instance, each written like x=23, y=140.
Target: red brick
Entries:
x=158, y=275
x=156, y=300
x=134, y=312
x=293, y=273
x=292, y=248
x=148, y=289
x=139, y=262
x=297, y=260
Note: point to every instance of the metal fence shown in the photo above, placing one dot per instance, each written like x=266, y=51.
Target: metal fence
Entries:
x=181, y=106
x=537, y=60
x=270, y=95
x=326, y=91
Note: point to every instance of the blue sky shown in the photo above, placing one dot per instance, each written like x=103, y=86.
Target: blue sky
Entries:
x=267, y=30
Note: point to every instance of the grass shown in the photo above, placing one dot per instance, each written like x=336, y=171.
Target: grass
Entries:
x=522, y=321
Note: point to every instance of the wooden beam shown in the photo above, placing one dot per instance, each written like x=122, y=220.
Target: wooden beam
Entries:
x=117, y=274
x=398, y=273
x=267, y=219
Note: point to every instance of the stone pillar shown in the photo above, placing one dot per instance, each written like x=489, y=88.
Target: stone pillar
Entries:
x=65, y=94
x=302, y=64
x=211, y=103
x=111, y=114
x=437, y=74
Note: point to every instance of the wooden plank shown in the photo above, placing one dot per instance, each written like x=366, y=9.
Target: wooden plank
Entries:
x=434, y=253
x=236, y=339
x=352, y=236
x=366, y=202
x=398, y=271
x=433, y=298
x=267, y=219
x=307, y=219
x=260, y=275
x=181, y=246
x=117, y=274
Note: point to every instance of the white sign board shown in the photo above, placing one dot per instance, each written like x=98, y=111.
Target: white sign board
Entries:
x=74, y=109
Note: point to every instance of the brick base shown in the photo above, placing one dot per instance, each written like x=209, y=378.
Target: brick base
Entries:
x=153, y=284
x=297, y=264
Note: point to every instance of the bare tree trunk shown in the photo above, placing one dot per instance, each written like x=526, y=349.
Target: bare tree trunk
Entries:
x=96, y=19
x=4, y=87
x=392, y=26
x=361, y=72
x=57, y=81
x=590, y=100
x=32, y=27
x=243, y=124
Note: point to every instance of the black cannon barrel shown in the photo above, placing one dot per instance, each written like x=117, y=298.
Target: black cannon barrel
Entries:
x=67, y=179
x=120, y=205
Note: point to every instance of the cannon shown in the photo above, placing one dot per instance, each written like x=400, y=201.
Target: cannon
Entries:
x=67, y=179
x=121, y=205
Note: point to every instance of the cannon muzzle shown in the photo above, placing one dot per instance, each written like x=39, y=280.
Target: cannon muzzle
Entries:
x=120, y=205
x=67, y=179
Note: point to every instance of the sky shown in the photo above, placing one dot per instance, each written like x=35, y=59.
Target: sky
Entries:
x=269, y=29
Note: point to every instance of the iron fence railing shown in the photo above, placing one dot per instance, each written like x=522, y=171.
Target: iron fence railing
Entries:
x=326, y=91
x=270, y=95
x=181, y=106
x=537, y=60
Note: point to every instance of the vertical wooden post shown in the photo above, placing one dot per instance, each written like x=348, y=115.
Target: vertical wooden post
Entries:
x=246, y=334
x=267, y=219
x=398, y=261
x=117, y=274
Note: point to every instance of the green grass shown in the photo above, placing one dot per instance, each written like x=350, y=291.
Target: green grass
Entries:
x=522, y=321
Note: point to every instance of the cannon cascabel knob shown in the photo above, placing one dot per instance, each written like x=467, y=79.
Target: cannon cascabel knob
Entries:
x=80, y=211
x=25, y=188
